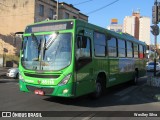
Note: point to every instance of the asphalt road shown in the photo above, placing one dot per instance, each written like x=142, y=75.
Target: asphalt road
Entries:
x=123, y=98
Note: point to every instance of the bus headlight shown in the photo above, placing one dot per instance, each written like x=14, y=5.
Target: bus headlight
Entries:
x=65, y=80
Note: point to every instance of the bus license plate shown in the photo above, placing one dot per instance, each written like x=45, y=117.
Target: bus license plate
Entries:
x=39, y=92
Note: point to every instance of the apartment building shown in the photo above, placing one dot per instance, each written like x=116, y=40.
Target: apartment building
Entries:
x=16, y=14
x=144, y=29
x=129, y=25
x=137, y=26
x=114, y=26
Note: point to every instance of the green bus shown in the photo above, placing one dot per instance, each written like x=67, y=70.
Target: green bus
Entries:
x=70, y=58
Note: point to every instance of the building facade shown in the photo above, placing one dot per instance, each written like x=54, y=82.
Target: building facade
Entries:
x=144, y=30
x=129, y=25
x=16, y=14
x=136, y=14
x=137, y=26
x=114, y=26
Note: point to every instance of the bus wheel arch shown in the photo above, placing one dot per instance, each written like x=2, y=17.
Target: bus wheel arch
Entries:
x=100, y=85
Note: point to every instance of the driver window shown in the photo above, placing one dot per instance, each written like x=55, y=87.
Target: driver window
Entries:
x=84, y=52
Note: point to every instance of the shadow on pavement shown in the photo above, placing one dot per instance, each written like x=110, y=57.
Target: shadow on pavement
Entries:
x=141, y=95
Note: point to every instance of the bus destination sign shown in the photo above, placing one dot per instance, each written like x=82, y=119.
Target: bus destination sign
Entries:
x=45, y=27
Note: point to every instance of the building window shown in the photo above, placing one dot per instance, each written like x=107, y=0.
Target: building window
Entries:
x=51, y=13
x=119, y=30
x=66, y=15
x=74, y=17
x=100, y=44
x=41, y=10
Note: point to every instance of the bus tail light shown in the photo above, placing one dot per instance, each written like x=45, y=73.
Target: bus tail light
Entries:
x=65, y=80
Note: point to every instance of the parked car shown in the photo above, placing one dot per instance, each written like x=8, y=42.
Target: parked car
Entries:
x=150, y=66
x=13, y=72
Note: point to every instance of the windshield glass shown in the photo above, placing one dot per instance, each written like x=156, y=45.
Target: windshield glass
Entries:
x=46, y=52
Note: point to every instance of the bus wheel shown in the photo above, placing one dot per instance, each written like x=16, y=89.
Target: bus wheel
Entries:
x=98, y=91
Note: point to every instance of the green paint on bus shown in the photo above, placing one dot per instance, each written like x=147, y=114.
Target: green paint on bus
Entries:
x=70, y=58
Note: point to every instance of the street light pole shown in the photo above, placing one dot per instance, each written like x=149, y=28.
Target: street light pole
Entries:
x=155, y=43
x=155, y=51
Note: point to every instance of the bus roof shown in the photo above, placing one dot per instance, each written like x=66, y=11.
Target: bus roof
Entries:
x=123, y=36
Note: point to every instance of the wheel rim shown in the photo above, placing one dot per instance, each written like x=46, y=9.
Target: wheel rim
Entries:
x=98, y=89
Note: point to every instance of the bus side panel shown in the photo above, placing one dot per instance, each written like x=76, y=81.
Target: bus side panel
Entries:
x=122, y=70
x=85, y=82
x=113, y=71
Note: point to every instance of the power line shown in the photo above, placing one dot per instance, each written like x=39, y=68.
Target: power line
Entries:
x=102, y=7
x=82, y=2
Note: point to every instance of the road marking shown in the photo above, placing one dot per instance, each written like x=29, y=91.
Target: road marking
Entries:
x=125, y=91
x=89, y=117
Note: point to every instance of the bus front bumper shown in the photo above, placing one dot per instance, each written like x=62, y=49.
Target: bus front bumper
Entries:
x=61, y=91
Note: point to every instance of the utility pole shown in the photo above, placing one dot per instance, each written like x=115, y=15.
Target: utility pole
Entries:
x=155, y=28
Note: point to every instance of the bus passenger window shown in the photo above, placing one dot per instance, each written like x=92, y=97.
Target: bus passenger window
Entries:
x=129, y=49
x=135, y=50
x=121, y=48
x=141, y=53
x=99, y=44
x=112, y=47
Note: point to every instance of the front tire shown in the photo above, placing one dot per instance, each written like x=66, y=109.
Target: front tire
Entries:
x=99, y=90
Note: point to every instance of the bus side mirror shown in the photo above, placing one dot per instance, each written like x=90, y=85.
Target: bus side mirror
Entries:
x=19, y=34
x=81, y=42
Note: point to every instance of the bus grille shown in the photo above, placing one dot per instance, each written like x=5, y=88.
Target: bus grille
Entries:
x=46, y=90
x=41, y=76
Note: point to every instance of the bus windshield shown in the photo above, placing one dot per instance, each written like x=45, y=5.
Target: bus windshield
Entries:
x=46, y=52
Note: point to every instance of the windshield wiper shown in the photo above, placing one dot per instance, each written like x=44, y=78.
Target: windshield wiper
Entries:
x=38, y=45
x=49, y=43
x=51, y=40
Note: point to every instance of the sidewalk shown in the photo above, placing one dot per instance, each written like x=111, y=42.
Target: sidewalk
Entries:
x=152, y=87
x=151, y=92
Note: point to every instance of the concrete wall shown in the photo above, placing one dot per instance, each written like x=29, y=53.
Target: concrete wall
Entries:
x=15, y=15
